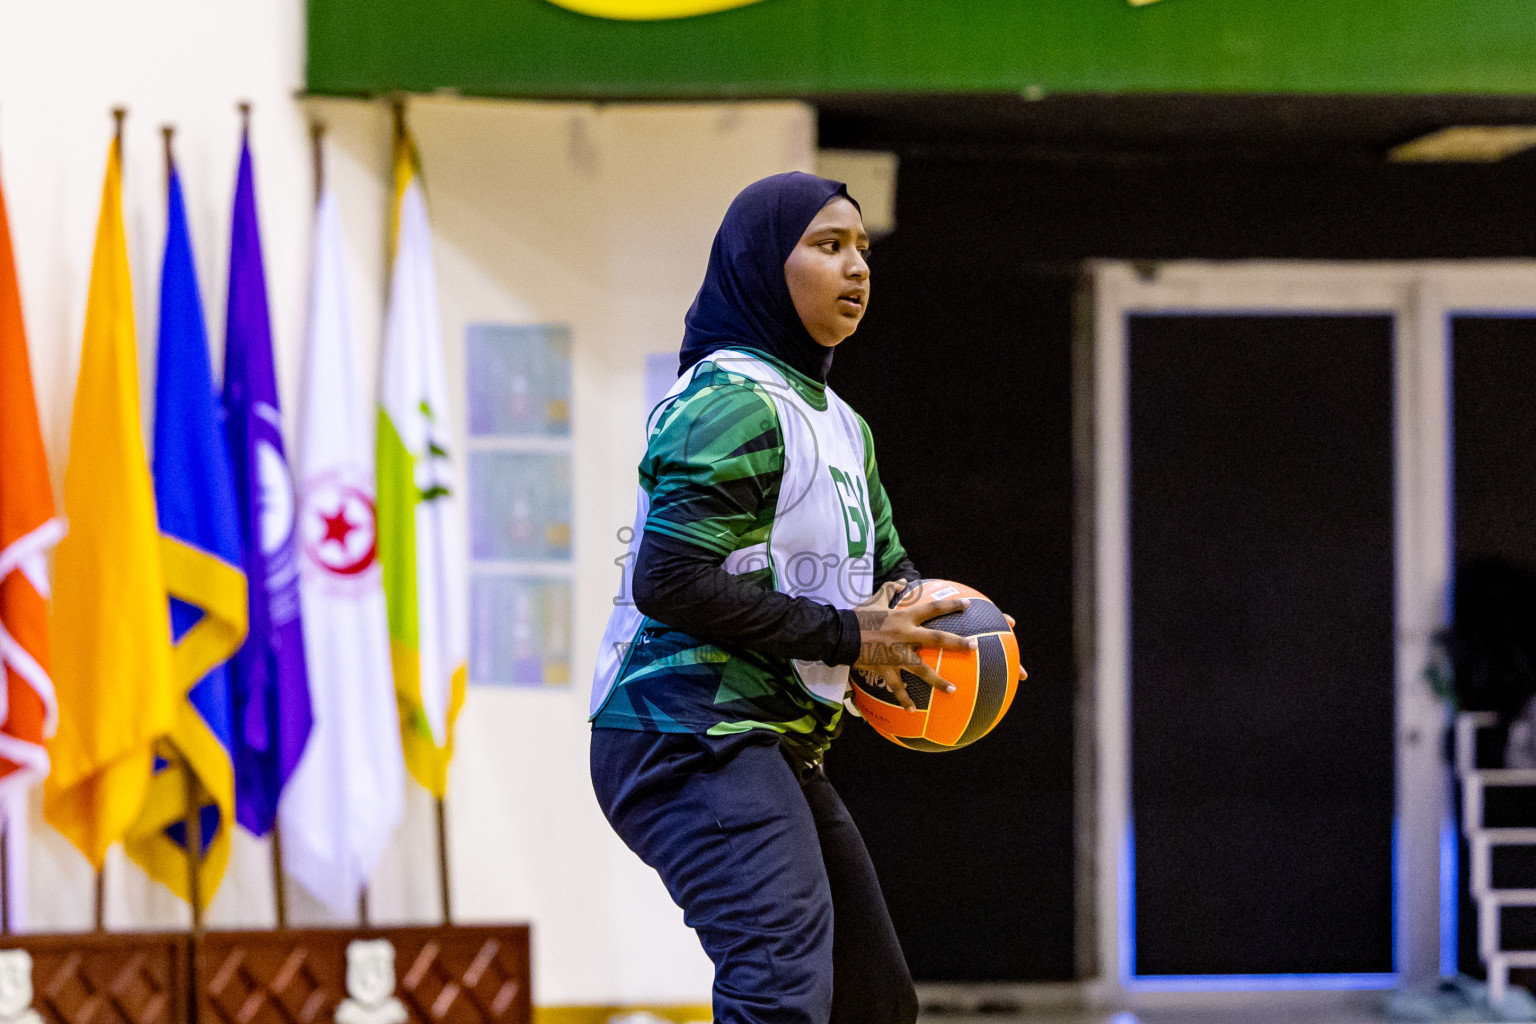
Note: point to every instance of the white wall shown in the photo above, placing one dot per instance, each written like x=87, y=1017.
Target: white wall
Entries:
x=599, y=217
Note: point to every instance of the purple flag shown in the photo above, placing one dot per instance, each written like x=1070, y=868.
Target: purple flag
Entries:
x=267, y=679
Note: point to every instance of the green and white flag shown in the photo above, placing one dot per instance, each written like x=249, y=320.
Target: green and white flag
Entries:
x=420, y=544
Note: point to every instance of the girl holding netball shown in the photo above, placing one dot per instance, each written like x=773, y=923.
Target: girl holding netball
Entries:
x=764, y=565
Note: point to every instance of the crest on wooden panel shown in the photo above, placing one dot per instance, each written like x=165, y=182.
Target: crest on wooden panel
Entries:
x=16, y=988
x=371, y=985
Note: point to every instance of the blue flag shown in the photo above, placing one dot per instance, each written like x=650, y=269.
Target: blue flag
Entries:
x=200, y=549
x=271, y=694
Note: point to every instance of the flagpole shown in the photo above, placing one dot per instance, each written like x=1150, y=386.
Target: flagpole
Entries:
x=193, y=818
x=397, y=109
x=169, y=132
x=5, y=871
x=442, y=857
x=279, y=896
x=397, y=114
x=317, y=152
x=194, y=824
x=5, y=877
x=119, y=115
x=317, y=155
x=194, y=847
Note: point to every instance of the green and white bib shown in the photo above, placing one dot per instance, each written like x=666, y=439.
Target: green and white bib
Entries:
x=775, y=473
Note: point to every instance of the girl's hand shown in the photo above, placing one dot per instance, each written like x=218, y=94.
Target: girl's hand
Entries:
x=889, y=639
x=1022, y=674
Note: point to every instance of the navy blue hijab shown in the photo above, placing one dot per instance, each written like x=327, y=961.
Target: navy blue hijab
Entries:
x=744, y=301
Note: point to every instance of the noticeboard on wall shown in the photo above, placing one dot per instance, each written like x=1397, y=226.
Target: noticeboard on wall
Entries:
x=518, y=383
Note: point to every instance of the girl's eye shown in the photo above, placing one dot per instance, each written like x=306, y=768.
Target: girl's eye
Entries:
x=830, y=245
x=864, y=253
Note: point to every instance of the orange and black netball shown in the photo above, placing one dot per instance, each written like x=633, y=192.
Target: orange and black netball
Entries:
x=985, y=679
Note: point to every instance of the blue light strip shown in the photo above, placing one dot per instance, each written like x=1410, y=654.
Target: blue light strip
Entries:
x=1450, y=895
x=1261, y=982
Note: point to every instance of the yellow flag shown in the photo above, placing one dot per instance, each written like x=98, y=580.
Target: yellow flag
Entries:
x=111, y=626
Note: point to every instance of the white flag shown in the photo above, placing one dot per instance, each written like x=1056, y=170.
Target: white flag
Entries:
x=348, y=792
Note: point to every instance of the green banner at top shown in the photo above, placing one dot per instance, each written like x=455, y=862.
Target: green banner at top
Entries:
x=768, y=48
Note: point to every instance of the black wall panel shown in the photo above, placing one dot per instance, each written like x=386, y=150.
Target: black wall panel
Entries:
x=964, y=378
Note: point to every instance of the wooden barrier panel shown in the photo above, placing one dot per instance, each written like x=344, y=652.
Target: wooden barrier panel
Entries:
x=112, y=978
x=435, y=975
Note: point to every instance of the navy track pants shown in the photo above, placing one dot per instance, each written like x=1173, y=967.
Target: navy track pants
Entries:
x=769, y=869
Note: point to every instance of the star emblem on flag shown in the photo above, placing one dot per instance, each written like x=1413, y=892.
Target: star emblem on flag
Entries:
x=338, y=528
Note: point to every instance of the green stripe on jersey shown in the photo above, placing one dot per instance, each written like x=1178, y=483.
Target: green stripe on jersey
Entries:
x=714, y=463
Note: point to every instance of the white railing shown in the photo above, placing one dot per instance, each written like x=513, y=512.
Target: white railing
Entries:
x=1491, y=901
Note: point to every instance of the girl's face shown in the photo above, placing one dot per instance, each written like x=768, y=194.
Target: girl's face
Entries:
x=828, y=273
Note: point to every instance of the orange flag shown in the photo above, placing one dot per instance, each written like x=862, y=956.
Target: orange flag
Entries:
x=27, y=530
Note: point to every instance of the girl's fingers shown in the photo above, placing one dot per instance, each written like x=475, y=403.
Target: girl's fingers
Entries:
x=939, y=638
x=892, y=681
x=1023, y=675
x=932, y=678
x=884, y=595
x=933, y=609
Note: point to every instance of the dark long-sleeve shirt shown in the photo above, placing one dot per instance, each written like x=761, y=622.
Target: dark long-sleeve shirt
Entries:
x=687, y=588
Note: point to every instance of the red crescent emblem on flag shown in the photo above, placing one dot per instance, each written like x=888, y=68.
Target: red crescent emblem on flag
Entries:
x=340, y=534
